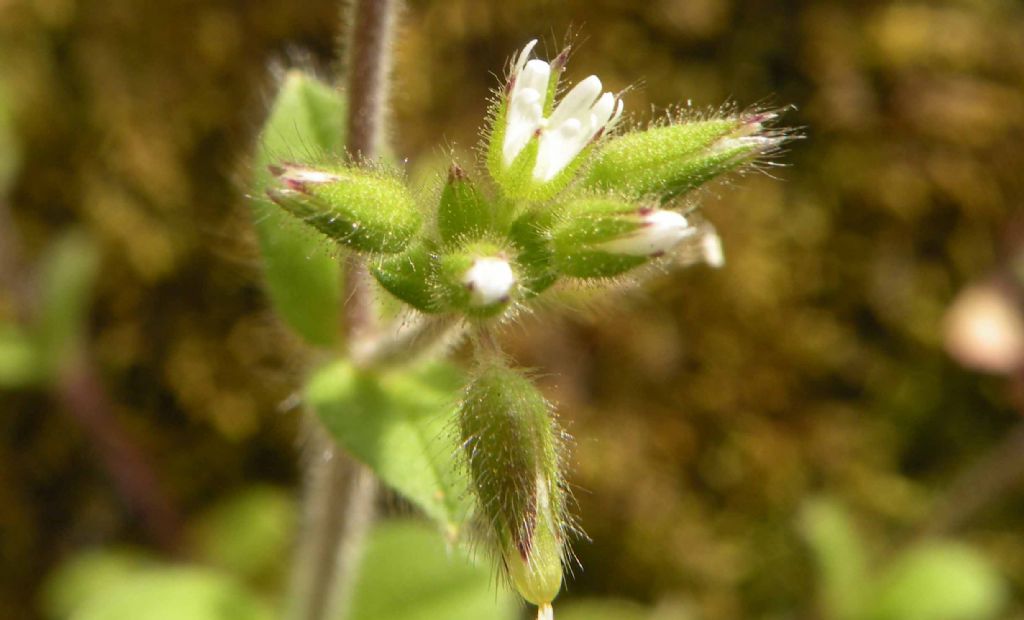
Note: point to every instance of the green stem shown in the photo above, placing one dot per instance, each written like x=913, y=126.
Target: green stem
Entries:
x=340, y=493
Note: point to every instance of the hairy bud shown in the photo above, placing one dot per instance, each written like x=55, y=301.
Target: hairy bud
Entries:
x=674, y=159
x=600, y=238
x=511, y=445
x=477, y=279
x=363, y=210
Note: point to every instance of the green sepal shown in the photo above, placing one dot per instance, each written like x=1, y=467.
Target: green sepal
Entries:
x=367, y=211
x=410, y=276
x=452, y=288
x=586, y=224
x=511, y=447
x=303, y=277
x=464, y=213
x=516, y=180
x=530, y=233
x=669, y=160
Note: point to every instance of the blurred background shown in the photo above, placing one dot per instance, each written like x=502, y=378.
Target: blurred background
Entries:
x=819, y=362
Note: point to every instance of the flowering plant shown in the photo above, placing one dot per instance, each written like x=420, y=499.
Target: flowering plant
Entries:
x=566, y=195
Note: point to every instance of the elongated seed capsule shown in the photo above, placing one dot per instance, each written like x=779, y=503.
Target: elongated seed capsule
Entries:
x=511, y=445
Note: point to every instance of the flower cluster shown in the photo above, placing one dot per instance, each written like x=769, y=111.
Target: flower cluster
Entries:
x=564, y=196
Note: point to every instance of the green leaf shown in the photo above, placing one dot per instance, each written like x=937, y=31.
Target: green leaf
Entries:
x=408, y=574
x=398, y=423
x=173, y=594
x=303, y=276
x=19, y=358
x=86, y=574
x=67, y=280
x=248, y=533
x=841, y=557
x=938, y=581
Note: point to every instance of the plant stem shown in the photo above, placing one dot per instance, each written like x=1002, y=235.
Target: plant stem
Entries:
x=340, y=493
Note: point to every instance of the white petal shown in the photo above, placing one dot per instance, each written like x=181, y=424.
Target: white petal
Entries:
x=490, y=280
x=522, y=58
x=525, y=108
x=601, y=113
x=578, y=102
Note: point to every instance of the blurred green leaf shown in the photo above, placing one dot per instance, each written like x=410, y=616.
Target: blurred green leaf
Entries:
x=938, y=581
x=66, y=288
x=397, y=423
x=841, y=557
x=86, y=574
x=19, y=358
x=248, y=533
x=173, y=594
x=306, y=123
x=408, y=574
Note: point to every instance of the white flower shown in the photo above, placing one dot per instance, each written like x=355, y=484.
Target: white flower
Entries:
x=659, y=232
x=578, y=118
x=490, y=281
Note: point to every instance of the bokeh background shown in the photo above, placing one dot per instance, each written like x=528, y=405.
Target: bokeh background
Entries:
x=706, y=411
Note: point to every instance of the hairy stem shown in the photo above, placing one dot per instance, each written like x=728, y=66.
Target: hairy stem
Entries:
x=340, y=493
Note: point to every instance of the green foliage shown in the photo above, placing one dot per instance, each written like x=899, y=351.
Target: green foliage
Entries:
x=247, y=534
x=937, y=581
x=67, y=280
x=173, y=593
x=303, y=277
x=408, y=574
x=934, y=580
x=396, y=422
x=86, y=574
x=123, y=585
x=512, y=449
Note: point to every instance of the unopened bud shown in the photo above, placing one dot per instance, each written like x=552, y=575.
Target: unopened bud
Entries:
x=674, y=159
x=511, y=446
x=464, y=214
x=601, y=238
x=364, y=210
x=477, y=279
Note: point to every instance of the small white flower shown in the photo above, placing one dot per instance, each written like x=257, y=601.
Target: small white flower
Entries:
x=578, y=118
x=659, y=232
x=490, y=281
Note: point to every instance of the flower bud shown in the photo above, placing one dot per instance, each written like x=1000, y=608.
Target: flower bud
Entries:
x=464, y=214
x=511, y=447
x=477, y=279
x=410, y=276
x=602, y=238
x=674, y=159
x=364, y=210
